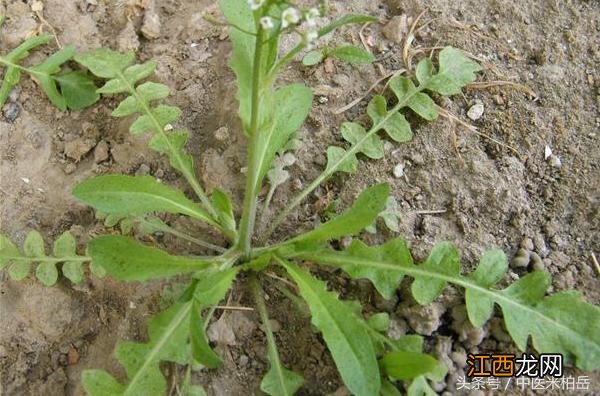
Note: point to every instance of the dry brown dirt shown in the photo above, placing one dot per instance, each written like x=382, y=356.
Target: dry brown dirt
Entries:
x=485, y=194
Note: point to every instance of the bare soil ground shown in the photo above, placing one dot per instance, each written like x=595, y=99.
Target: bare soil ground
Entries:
x=483, y=194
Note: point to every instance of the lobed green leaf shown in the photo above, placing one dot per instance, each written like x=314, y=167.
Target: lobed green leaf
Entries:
x=281, y=382
x=362, y=213
x=64, y=251
x=153, y=91
x=174, y=142
x=418, y=102
x=313, y=58
x=105, y=63
x=396, y=125
x=168, y=336
x=562, y=323
x=126, y=259
x=336, y=158
x=210, y=289
x=135, y=196
x=291, y=105
x=385, y=282
x=175, y=335
x=343, y=332
x=491, y=269
x=239, y=15
x=443, y=259
x=353, y=55
x=64, y=91
x=456, y=70
x=222, y=204
x=353, y=133
x=78, y=90
x=407, y=365
x=45, y=70
x=161, y=116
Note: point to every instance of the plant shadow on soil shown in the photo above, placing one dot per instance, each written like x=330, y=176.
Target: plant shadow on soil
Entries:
x=490, y=196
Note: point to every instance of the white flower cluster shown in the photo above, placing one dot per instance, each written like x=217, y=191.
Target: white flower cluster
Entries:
x=267, y=22
x=291, y=16
x=255, y=4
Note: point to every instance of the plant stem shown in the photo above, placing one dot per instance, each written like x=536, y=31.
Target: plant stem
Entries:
x=48, y=259
x=378, y=335
x=272, y=352
x=285, y=60
x=23, y=68
x=266, y=204
x=252, y=175
x=165, y=228
x=334, y=167
x=208, y=317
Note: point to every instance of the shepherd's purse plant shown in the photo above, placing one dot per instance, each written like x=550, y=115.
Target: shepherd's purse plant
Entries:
x=369, y=362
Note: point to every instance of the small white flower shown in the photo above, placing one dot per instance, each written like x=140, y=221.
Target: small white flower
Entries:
x=310, y=38
x=290, y=16
x=255, y=4
x=311, y=17
x=266, y=23
x=314, y=13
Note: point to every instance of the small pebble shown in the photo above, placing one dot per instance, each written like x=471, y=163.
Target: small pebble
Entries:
x=288, y=159
x=554, y=161
x=396, y=28
x=243, y=360
x=101, y=152
x=527, y=244
x=476, y=111
x=521, y=259
x=398, y=171
x=78, y=148
x=297, y=184
x=37, y=6
x=142, y=170
x=14, y=94
x=11, y=111
x=222, y=134
x=72, y=356
x=151, y=25
x=536, y=261
x=540, y=245
x=70, y=168
x=127, y=39
x=459, y=357
x=341, y=80
x=417, y=159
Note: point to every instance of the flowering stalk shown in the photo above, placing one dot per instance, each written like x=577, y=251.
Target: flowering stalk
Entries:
x=252, y=179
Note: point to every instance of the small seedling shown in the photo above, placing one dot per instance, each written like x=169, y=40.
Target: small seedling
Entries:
x=72, y=90
x=369, y=362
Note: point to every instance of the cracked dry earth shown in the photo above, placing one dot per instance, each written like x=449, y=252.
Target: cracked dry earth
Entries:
x=490, y=188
